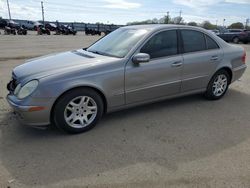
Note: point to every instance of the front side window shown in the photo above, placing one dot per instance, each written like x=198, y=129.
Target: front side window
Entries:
x=161, y=45
x=193, y=41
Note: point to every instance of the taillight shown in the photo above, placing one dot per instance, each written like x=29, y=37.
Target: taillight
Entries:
x=244, y=57
x=243, y=33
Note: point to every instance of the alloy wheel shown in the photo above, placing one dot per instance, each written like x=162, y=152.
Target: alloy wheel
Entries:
x=80, y=112
x=220, y=85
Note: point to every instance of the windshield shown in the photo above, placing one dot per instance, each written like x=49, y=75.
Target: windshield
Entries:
x=118, y=43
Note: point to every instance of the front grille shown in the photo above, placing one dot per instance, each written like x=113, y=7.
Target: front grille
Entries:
x=11, y=86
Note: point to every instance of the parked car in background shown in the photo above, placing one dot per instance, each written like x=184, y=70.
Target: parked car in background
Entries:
x=248, y=35
x=28, y=25
x=65, y=30
x=14, y=28
x=9, y=31
x=68, y=30
x=21, y=30
x=37, y=25
x=51, y=26
x=12, y=24
x=92, y=31
x=216, y=31
x=41, y=30
x=3, y=23
x=131, y=66
x=234, y=35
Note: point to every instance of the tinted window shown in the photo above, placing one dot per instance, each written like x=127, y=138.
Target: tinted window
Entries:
x=161, y=45
x=211, y=44
x=235, y=31
x=193, y=41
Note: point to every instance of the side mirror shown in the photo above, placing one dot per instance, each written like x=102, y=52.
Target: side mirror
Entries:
x=141, y=58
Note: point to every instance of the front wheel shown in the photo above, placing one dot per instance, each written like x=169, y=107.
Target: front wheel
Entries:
x=78, y=110
x=218, y=85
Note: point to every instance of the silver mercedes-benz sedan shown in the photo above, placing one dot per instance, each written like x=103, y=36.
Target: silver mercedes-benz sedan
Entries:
x=131, y=66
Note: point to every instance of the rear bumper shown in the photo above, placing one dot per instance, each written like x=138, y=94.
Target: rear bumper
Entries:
x=38, y=119
x=238, y=72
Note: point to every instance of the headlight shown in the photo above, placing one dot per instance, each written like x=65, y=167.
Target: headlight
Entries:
x=17, y=89
x=26, y=90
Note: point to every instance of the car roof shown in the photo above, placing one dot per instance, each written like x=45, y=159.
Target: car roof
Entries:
x=152, y=27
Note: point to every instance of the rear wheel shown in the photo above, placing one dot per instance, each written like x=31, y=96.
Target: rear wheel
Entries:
x=236, y=40
x=218, y=85
x=78, y=111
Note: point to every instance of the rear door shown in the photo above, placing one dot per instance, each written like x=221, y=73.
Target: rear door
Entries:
x=201, y=56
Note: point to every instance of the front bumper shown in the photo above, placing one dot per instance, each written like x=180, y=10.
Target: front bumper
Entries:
x=25, y=116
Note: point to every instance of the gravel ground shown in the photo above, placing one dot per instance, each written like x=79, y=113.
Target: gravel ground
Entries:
x=184, y=142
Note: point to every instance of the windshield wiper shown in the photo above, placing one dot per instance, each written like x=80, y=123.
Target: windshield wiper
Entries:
x=96, y=52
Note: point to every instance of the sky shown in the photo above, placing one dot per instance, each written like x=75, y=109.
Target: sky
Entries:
x=123, y=11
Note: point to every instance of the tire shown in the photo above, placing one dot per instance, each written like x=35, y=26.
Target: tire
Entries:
x=236, y=40
x=70, y=106
x=211, y=89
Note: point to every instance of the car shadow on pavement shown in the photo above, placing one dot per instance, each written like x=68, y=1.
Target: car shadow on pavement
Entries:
x=167, y=133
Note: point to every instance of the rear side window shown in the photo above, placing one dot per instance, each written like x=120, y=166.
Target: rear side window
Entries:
x=211, y=44
x=193, y=41
x=161, y=45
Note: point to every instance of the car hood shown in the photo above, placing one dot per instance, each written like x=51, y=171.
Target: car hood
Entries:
x=58, y=63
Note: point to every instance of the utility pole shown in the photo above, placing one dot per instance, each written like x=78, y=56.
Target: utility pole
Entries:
x=247, y=21
x=167, y=17
x=9, y=9
x=180, y=13
x=42, y=13
x=224, y=22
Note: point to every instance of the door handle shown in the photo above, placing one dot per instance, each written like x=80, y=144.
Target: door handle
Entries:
x=214, y=58
x=177, y=64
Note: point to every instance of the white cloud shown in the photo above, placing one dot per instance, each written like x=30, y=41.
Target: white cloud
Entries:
x=121, y=4
x=206, y=3
x=238, y=1
x=18, y=11
x=213, y=19
x=1, y=4
x=196, y=3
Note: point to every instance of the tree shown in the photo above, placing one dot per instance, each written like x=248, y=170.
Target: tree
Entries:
x=177, y=20
x=237, y=25
x=140, y=22
x=166, y=19
x=208, y=25
x=155, y=21
x=192, y=24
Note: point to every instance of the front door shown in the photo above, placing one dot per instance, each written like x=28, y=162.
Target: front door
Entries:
x=161, y=76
